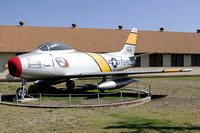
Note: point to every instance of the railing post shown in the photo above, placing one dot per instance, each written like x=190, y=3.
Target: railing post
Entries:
x=149, y=92
x=40, y=98
x=70, y=100
x=16, y=98
x=121, y=96
x=138, y=94
x=98, y=99
x=146, y=87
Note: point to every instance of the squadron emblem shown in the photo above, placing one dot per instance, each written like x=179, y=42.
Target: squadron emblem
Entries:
x=62, y=62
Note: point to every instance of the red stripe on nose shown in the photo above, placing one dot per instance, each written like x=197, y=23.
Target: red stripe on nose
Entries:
x=15, y=66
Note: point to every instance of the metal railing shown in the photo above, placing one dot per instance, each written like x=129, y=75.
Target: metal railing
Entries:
x=95, y=98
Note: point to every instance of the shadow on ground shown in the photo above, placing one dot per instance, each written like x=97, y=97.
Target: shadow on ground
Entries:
x=151, y=127
x=54, y=90
x=138, y=125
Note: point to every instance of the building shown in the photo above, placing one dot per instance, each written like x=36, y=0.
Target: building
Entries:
x=173, y=49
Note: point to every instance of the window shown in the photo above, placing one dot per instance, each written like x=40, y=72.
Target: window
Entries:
x=51, y=46
x=195, y=60
x=177, y=60
x=155, y=60
x=58, y=46
x=138, y=64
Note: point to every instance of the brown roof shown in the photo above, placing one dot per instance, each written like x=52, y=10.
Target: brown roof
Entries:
x=168, y=42
x=27, y=38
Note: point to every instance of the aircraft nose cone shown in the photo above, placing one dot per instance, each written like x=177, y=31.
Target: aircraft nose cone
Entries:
x=15, y=66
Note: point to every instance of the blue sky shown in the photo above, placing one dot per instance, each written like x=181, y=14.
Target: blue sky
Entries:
x=173, y=15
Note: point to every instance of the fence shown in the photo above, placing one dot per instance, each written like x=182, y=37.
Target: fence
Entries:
x=86, y=99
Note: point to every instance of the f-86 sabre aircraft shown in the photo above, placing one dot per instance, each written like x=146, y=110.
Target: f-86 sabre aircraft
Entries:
x=55, y=62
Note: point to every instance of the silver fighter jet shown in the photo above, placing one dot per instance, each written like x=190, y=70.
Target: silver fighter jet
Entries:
x=55, y=62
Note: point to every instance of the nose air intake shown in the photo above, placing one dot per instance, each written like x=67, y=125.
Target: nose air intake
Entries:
x=15, y=66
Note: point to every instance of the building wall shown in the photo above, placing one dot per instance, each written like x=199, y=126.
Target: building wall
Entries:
x=187, y=60
x=4, y=57
x=167, y=60
x=145, y=61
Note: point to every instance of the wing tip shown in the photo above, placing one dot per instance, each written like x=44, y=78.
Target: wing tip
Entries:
x=178, y=70
x=186, y=70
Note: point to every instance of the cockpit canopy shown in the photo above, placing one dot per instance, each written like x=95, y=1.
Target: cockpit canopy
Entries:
x=51, y=46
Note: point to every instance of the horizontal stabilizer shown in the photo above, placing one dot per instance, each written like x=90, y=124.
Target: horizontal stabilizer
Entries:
x=144, y=54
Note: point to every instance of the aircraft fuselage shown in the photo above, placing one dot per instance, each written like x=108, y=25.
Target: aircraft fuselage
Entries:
x=62, y=63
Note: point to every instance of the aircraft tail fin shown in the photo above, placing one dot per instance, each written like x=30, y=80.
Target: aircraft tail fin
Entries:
x=129, y=46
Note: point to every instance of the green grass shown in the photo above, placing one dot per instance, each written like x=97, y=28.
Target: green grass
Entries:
x=10, y=87
x=53, y=98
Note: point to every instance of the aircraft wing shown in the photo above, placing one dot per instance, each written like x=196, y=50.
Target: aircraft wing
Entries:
x=96, y=74
x=128, y=72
